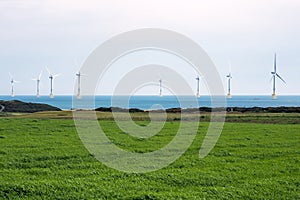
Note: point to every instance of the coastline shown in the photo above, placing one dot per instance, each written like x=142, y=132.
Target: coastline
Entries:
x=156, y=102
x=24, y=107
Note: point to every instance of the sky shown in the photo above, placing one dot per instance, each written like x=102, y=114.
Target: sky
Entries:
x=62, y=34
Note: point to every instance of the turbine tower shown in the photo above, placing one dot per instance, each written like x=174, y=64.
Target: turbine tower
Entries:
x=38, y=81
x=12, y=83
x=51, y=77
x=79, y=82
x=198, y=86
x=160, y=88
x=274, y=74
x=229, y=77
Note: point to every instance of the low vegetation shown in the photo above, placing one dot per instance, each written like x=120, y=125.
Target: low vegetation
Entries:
x=42, y=157
x=269, y=118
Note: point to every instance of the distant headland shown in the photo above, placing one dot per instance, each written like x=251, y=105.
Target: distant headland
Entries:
x=22, y=107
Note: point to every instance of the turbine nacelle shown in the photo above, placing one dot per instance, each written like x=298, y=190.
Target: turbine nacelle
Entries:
x=54, y=76
x=12, y=82
x=229, y=76
x=80, y=74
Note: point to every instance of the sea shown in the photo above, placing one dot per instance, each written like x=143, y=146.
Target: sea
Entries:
x=157, y=102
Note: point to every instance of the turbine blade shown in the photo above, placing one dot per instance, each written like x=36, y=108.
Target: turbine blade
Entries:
x=56, y=75
x=229, y=76
x=48, y=70
x=275, y=63
x=280, y=77
x=40, y=74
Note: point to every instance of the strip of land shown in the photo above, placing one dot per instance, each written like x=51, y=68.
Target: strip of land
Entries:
x=271, y=115
x=262, y=118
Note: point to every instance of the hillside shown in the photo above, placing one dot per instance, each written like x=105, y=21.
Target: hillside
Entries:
x=22, y=107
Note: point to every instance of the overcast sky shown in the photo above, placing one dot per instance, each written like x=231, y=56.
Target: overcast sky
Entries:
x=35, y=34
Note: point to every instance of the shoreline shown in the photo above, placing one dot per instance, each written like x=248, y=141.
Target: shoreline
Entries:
x=165, y=102
x=23, y=107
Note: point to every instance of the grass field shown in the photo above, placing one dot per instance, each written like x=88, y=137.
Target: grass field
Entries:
x=42, y=157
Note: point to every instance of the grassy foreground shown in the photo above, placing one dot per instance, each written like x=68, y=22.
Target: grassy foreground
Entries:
x=45, y=159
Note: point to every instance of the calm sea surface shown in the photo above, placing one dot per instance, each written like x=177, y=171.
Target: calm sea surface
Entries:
x=153, y=102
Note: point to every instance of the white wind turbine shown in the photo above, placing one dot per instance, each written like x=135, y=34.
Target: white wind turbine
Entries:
x=274, y=74
x=38, y=81
x=160, y=88
x=229, y=77
x=198, y=87
x=12, y=83
x=79, y=74
x=51, y=77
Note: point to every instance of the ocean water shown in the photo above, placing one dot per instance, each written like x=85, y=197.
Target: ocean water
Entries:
x=156, y=102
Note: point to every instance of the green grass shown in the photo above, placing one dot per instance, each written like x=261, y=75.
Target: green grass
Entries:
x=267, y=118
x=45, y=159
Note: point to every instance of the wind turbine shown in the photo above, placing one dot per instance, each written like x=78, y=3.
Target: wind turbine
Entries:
x=79, y=82
x=160, y=88
x=12, y=83
x=198, y=86
x=38, y=81
x=274, y=74
x=229, y=77
x=51, y=77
